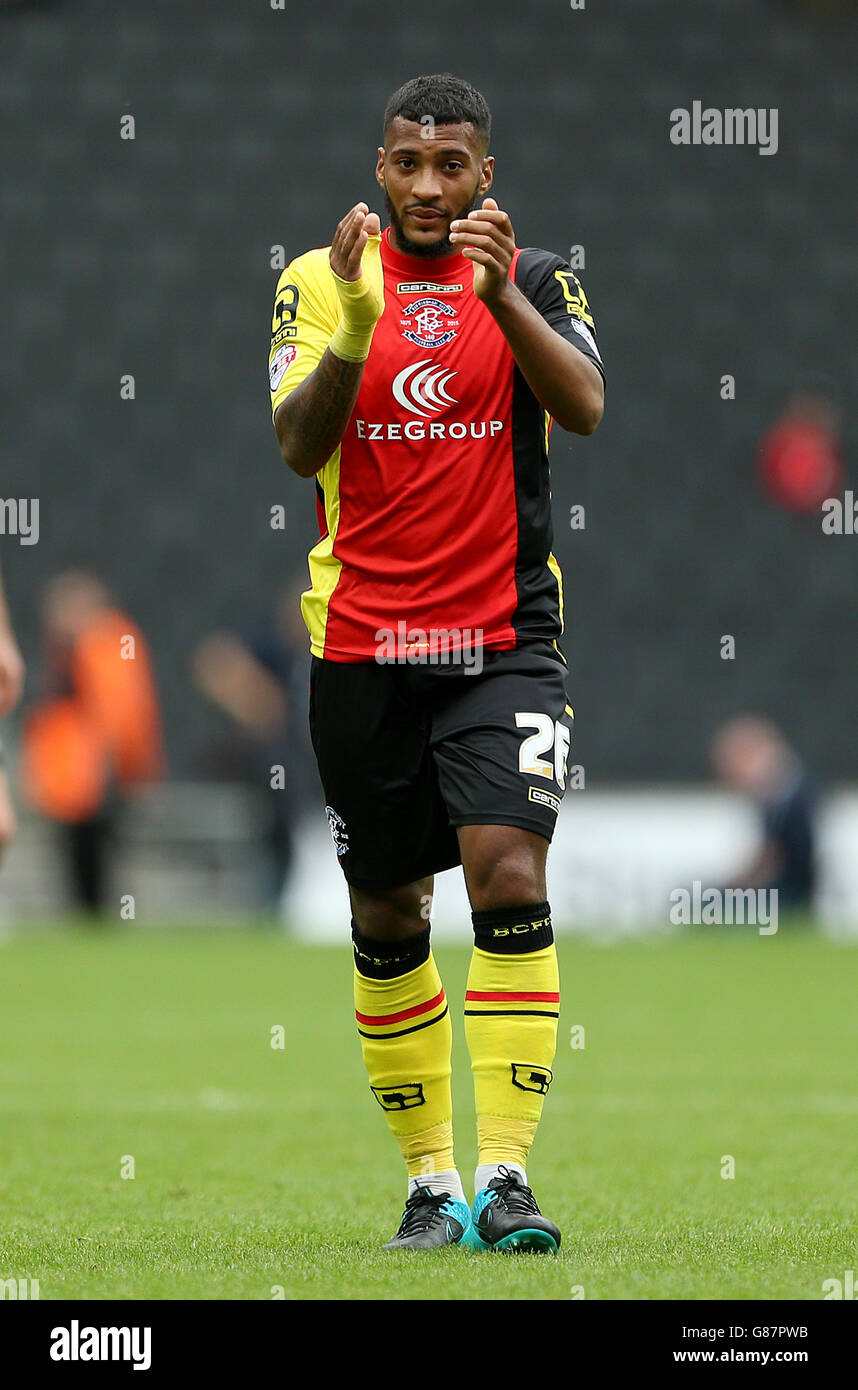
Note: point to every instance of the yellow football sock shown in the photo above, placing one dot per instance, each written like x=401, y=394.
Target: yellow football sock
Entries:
x=406, y=1037
x=511, y=1011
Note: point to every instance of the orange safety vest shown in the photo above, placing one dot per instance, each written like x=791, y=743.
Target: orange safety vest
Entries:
x=108, y=730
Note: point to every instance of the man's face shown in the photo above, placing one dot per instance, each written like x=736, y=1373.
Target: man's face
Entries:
x=431, y=174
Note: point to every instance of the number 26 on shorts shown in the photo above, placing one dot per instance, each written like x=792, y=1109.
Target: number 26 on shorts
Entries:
x=550, y=736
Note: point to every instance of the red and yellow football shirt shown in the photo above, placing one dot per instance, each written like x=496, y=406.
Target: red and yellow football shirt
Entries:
x=435, y=510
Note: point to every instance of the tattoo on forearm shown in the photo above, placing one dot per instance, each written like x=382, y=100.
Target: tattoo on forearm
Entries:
x=320, y=407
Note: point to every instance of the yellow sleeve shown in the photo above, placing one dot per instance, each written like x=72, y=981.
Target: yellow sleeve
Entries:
x=306, y=314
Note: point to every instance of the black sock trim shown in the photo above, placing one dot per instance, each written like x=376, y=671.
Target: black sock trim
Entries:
x=508, y=1013
x=513, y=931
x=385, y=960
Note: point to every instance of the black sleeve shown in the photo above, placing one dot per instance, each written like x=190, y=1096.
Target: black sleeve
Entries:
x=554, y=289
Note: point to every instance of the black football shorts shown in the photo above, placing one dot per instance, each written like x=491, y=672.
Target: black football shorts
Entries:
x=408, y=752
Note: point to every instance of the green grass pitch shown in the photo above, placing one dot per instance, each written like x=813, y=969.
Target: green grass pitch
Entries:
x=261, y=1169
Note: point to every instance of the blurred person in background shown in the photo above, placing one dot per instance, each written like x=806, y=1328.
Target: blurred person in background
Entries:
x=800, y=462
x=258, y=679
x=11, y=684
x=751, y=756
x=95, y=736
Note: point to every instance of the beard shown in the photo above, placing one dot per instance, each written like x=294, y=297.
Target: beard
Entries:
x=444, y=247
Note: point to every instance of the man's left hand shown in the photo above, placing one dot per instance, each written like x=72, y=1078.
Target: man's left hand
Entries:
x=486, y=238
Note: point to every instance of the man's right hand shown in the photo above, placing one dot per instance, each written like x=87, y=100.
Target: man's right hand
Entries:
x=349, y=241
x=311, y=422
x=359, y=279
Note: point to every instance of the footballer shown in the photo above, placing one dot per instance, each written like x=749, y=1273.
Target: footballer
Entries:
x=415, y=374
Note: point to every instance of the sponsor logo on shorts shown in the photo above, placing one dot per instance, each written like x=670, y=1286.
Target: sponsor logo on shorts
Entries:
x=544, y=798
x=339, y=834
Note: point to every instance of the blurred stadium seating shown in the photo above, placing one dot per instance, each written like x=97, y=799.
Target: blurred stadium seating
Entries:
x=152, y=257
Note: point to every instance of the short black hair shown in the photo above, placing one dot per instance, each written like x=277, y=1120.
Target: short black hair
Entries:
x=447, y=99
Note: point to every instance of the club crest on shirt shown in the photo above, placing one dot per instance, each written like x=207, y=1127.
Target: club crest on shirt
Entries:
x=429, y=322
